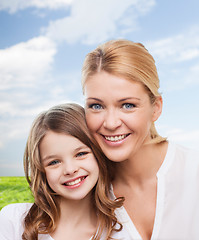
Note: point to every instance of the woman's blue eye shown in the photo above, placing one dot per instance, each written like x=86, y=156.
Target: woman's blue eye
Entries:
x=95, y=106
x=128, y=105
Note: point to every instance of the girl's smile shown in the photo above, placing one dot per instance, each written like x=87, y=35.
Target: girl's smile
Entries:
x=75, y=183
x=71, y=168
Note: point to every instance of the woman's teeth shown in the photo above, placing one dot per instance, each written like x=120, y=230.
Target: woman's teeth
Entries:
x=75, y=181
x=115, y=138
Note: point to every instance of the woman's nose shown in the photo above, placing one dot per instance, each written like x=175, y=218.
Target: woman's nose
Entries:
x=112, y=120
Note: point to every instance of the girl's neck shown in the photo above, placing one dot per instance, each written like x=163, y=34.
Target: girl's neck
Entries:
x=78, y=219
x=141, y=166
x=78, y=210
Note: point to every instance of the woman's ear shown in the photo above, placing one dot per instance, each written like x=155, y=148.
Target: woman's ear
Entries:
x=157, y=108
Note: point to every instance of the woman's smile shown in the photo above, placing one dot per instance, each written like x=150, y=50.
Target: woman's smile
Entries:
x=116, y=138
x=119, y=114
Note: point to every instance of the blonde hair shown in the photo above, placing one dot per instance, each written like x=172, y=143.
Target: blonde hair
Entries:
x=129, y=60
x=44, y=214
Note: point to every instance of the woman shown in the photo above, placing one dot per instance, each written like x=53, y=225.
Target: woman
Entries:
x=159, y=179
x=69, y=182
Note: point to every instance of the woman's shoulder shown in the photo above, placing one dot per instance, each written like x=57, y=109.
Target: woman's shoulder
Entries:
x=183, y=157
x=181, y=151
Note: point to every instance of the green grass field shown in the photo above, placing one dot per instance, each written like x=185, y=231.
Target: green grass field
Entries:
x=14, y=190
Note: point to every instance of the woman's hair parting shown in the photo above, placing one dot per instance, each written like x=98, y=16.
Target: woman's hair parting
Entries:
x=44, y=214
x=128, y=60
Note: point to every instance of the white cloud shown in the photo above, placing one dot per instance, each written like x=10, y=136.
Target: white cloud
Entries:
x=189, y=138
x=177, y=59
x=16, y=120
x=179, y=48
x=178, y=77
x=18, y=110
x=30, y=104
x=26, y=62
x=192, y=76
x=16, y=5
x=11, y=165
x=12, y=128
x=95, y=21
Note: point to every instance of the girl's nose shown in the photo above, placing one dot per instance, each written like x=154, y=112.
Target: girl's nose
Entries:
x=70, y=167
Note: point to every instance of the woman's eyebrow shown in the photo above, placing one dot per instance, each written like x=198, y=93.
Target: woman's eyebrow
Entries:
x=93, y=98
x=128, y=98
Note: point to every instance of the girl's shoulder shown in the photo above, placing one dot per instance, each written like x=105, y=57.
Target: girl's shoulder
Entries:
x=11, y=220
x=15, y=210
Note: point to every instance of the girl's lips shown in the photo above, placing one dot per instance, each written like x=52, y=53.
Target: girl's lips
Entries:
x=74, y=183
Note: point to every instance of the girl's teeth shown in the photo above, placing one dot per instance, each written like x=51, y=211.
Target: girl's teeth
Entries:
x=116, y=138
x=74, y=182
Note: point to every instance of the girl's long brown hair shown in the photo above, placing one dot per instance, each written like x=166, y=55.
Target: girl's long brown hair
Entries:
x=43, y=216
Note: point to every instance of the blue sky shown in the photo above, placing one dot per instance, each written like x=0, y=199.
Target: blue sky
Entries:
x=43, y=44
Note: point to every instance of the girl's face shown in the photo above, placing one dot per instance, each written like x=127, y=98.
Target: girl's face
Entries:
x=119, y=114
x=71, y=168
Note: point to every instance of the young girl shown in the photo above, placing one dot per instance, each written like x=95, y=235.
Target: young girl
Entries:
x=68, y=178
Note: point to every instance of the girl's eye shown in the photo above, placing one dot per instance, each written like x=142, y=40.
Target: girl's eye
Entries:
x=95, y=106
x=128, y=106
x=54, y=162
x=81, y=154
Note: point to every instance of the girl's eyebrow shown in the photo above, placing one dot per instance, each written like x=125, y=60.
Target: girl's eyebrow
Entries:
x=46, y=158
x=49, y=157
x=81, y=148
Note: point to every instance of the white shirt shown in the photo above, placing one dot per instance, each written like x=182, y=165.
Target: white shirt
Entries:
x=11, y=224
x=177, y=207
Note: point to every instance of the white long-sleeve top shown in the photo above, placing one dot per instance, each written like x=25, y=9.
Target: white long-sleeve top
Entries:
x=11, y=224
x=177, y=207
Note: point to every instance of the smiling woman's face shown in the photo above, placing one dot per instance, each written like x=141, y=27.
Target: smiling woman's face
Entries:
x=119, y=114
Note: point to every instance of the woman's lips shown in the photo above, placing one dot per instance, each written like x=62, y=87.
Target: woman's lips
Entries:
x=116, y=138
